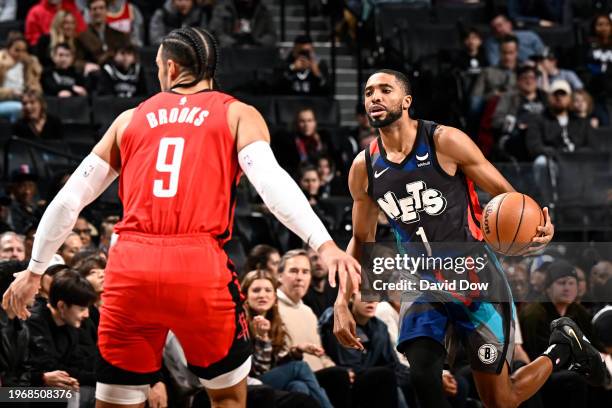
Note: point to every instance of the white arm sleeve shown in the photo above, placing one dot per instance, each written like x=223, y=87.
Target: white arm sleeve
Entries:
x=88, y=181
x=281, y=194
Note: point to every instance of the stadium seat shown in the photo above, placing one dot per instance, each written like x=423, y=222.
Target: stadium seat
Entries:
x=394, y=17
x=327, y=110
x=557, y=37
x=147, y=56
x=7, y=26
x=70, y=110
x=107, y=108
x=247, y=59
x=236, y=81
x=602, y=139
x=78, y=132
x=151, y=80
x=451, y=13
x=265, y=106
x=577, y=174
x=438, y=37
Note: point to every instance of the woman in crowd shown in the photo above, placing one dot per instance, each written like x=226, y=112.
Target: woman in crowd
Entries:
x=63, y=30
x=582, y=104
x=274, y=363
x=263, y=256
x=18, y=71
x=35, y=122
x=598, y=58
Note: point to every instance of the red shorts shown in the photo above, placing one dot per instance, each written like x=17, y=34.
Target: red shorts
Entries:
x=181, y=283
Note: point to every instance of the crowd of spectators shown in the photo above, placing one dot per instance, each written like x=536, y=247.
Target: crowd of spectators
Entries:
x=523, y=101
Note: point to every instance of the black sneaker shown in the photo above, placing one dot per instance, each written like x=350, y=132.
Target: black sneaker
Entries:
x=585, y=359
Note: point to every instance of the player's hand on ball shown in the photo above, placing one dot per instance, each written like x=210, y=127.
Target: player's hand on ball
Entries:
x=158, y=397
x=345, y=328
x=341, y=266
x=20, y=294
x=545, y=235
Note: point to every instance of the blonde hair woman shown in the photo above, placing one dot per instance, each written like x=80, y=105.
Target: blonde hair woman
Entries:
x=63, y=30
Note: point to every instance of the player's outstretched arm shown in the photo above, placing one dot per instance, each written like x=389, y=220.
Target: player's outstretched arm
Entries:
x=365, y=217
x=459, y=148
x=88, y=181
x=281, y=194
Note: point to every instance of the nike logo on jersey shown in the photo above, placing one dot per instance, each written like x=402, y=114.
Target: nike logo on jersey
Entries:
x=377, y=174
x=419, y=199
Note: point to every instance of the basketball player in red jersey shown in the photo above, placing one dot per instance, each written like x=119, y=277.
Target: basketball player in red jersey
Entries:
x=418, y=173
x=180, y=154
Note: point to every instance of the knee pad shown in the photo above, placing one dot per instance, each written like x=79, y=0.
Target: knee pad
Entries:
x=122, y=394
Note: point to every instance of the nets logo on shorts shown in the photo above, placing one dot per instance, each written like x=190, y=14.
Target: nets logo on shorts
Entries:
x=487, y=353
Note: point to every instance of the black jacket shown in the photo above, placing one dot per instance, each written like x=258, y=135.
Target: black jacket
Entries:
x=14, y=338
x=544, y=134
x=55, y=80
x=123, y=84
x=54, y=347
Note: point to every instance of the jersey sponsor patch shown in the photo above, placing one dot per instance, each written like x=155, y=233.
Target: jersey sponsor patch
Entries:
x=487, y=353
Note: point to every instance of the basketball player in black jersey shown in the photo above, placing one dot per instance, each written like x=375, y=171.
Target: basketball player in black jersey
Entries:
x=420, y=175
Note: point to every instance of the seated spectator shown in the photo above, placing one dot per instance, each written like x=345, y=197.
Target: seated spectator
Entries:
x=25, y=209
x=556, y=130
x=563, y=388
x=537, y=280
x=276, y=363
x=243, y=23
x=310, y=183
x=332, y=182
x=5, y=213
x=600, y=286
x=35, y=122
x=14, y=335
x=175, y=14
x=71, y=246
x=54, y=334
x=106, y=232
x=63, y=31
x=598, y=57
x=124, y=76
x=471, y=59
x=513, y=110
x=83, y=229
x=29, y=239
x=62, y=79
x=550, y=72
x=518, y=279
x=364, y=133
x=96, y=45
x=263, y=257
x=18, y=71
x=12, y=247
x=378, y=373
x=8, y=10
x=301, y=325
x=304, y=74
x=582, y=106
x=304, y=145
x=122, y=16
x=582, y=284
x=497, y=78
x=602, y=326
x=38, y=20
x=529, y=43
x=320, y=294
x=541, y=13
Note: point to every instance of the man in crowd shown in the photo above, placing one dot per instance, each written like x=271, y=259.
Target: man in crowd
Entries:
x=12, y=247
x=529, y=43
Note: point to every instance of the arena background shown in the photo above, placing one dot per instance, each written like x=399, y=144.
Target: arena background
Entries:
x=265, y=46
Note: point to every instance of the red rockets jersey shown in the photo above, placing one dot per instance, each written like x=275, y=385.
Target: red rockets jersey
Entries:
x=179, y=166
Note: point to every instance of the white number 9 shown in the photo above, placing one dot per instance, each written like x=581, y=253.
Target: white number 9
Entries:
x=174, y=167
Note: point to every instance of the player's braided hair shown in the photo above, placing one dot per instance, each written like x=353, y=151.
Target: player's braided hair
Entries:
x=195, y=50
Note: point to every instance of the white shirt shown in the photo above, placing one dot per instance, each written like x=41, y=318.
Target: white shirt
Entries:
x=14, y=78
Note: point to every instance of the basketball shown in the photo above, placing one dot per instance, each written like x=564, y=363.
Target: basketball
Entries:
x=510, y=222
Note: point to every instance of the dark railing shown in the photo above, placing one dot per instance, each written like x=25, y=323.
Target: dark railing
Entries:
x=35, y=145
